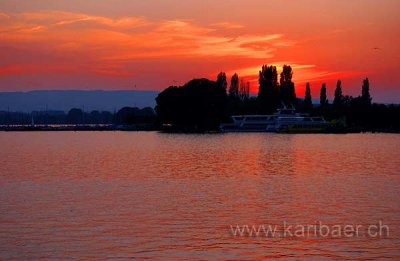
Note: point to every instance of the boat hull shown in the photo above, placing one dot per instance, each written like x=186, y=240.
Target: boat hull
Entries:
x=284, y=121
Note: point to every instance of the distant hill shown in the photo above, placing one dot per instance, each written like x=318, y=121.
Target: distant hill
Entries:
x=65, y=100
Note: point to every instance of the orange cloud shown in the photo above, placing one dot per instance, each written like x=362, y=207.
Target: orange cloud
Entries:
x=117, y=40
x=124, y=47
x=228, y=25
x=61, y=18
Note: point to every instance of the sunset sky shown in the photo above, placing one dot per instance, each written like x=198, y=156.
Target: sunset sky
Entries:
x=150, y=44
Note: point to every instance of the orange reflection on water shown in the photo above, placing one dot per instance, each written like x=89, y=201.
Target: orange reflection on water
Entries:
x=164, y=196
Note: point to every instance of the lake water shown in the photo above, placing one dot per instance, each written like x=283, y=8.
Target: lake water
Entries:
x=170, y=196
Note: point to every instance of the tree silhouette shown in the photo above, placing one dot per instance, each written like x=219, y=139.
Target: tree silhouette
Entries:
x=199, y=105
x=268, y=92
x=134, y=115
x=365, y=96
x=126, y=116
x=338, y=100
x=221, y=81
x=287, y=90
x=308, y=99
x=234, y=88
x=323, y=100
x=202, y=104
x=75, y=116
x=244, y=92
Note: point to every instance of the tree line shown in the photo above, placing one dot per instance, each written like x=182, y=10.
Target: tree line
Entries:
x=76, y=116
x=203, y=104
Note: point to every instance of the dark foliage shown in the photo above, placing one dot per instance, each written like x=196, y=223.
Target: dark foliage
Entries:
x=202, y=105
x=308, y=106
x=77, y=117
x=244, y=90
x=338, y=99
x=323, y=99
x=239, y=96
x=199, y=105
x=287, y=90
x=365, y=96
x=129, y=116
x=268, y=92
x=221, y=81
x=234, y=88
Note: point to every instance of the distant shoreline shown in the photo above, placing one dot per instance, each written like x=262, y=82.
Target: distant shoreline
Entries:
x=150, y=127
x=64, y=100
x=105, y=127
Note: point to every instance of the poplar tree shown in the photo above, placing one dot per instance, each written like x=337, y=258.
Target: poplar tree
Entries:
x=323, y=100
x=308, y=99
x=338, y=100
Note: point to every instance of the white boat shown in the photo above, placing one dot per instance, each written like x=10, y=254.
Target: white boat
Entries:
x=284, y=120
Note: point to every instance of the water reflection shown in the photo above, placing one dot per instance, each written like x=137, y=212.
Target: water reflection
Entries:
x=152, y=195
